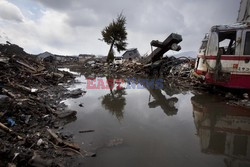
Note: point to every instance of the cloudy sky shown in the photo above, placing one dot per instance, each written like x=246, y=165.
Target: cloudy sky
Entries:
x=74, y=26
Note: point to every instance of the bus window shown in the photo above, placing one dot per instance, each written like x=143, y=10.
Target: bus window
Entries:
x=227, y=43
x=247, y=44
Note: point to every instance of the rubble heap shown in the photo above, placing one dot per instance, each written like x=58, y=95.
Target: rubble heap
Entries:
x=29, y=102
x=90, y=68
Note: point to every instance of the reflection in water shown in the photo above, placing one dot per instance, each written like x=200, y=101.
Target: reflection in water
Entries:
x=171, y=89
x=167, y=105
x=114, y=101
x=155, y=139
x=223, y=129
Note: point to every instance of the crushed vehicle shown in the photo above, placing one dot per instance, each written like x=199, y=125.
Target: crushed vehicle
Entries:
x=224, y=56
x=117, y=61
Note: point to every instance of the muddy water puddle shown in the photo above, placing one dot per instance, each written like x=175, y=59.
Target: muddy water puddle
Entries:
x=158, y=127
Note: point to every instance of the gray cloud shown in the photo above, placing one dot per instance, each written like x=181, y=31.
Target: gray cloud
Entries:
x=8, y=11
x=76, y=24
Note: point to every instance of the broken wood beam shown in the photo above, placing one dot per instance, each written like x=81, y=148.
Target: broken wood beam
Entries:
x=9, y=93
x=59, y=141
x=26, y=65
x=8, y=130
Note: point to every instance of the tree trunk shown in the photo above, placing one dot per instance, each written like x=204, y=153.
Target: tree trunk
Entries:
x=110, y=56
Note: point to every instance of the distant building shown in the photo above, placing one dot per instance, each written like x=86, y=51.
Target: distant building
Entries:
x=48, y=57
x=61, y=58
x=84, y=57
x=131, y=54
x=44, y=55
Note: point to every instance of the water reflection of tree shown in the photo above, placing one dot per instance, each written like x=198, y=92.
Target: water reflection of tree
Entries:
x=115, y=101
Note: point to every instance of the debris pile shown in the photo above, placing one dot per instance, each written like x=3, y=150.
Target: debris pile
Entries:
x=180, y=72
x=97, y=68
x=167, y=68
x=29, y=101
x=128, y=68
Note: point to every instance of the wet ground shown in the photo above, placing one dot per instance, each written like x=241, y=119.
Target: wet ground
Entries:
x=158, y=127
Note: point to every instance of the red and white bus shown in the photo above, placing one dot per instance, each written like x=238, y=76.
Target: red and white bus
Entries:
x=224, y=57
